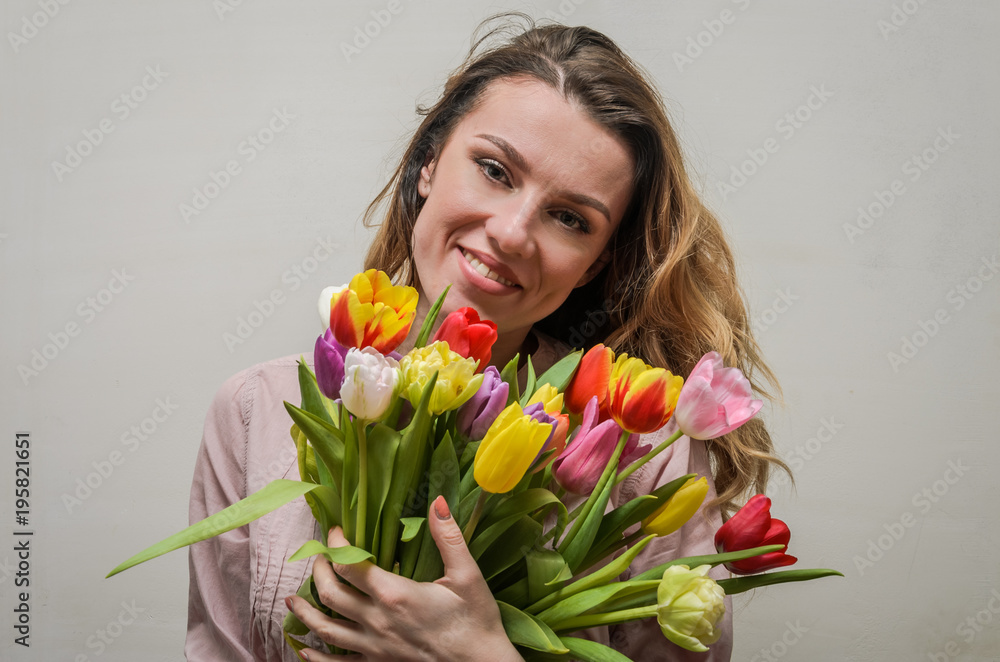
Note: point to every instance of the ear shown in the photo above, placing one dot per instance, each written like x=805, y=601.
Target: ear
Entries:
x=594, y=269
x=426, y=175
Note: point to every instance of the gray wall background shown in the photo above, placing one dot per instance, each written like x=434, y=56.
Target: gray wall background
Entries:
x=883, y=328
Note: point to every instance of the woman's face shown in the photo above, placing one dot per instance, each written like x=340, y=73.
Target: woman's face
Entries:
x=519, y=205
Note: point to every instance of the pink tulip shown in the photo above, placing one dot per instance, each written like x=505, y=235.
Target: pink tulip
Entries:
x=715, y=400
x=580, y=466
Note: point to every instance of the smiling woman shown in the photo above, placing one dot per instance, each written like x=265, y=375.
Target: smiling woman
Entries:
x=545, y=181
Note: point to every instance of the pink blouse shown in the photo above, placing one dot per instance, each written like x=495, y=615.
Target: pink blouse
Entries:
x=238, y=580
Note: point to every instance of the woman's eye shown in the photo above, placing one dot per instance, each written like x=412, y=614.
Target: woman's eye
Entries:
x=493, y=170
x=572, y=220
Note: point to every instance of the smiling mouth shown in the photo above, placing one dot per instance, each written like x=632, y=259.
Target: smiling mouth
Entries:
x=483, y=270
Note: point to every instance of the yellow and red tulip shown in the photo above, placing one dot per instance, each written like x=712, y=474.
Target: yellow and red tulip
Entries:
x=468, y=335
x=642, y=397
x=372, y=312
x=508, y=449
x=591, y=379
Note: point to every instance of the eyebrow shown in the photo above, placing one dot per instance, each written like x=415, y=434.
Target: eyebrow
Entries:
x=517, y=159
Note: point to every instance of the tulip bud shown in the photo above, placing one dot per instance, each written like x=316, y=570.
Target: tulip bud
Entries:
x=752, y=526
x=642, y=397
x=477, y=415
x=678, y=509
x=372, y=312
x=508, y=449
x=370, y=382
x=468, y=335
x=689, y=607
x=715, y=400
x=328, y=358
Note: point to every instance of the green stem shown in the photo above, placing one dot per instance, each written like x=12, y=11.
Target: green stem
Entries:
x=477, y=511
x=610, y=618
x=588, y=505
x=362, y=513
x=647, y=457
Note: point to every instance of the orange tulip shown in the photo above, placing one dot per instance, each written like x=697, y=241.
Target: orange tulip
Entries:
x=591, y=378
x=642, y=397
x=372, y=312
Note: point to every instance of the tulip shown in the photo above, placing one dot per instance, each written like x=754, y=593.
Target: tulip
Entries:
x=325, y=300
x=508, y=449
x=678, y=509
x=457, y=381
x=468, y=335
x=328, y=357
x=579, y=467
x=642, y=397
x=372, y=312
x=477, y=415
x=752, y=526
x=550, y=398
x=715, y=400
x=370, y=382
x=591, y=379
x=689, y=607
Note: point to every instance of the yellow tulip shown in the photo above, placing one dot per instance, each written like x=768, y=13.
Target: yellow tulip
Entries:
x=457, y=380
x=550, y=397
x=506, y=452
x=678, y=509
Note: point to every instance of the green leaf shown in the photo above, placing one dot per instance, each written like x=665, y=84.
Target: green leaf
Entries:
x=326, y=439
x=295, y=644
x=529, y=387
x=410, y=466
x=346, y=555
x=507, y=513
x=562, y=371
x=741, y=584
x=708, y=559
x=411, y=527
x=520, y=537
x=313, y=400
x=509, y=375
x=585, y=650
x=350, y=478
x=577, y=548
x=597, y=578
x=546, y=569
x=428, y=325
x=444, y=476
x=383, y=442
x=526, y=630
x=271, y=497
x=594, y=600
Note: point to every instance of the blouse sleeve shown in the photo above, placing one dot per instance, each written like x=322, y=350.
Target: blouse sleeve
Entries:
x=219, y=592
x=643, y=641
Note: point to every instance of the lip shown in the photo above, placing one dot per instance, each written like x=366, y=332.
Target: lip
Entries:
x=481, y=281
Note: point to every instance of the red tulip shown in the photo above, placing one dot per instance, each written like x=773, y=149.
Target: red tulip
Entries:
x=591, y=379
x=468, y=335
x=752, y=526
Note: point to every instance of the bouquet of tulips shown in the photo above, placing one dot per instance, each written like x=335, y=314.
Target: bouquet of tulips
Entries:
x=380, y=436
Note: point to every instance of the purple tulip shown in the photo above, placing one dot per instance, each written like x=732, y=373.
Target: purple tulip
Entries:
x=537, y=412
x=328, y=357
x=477, y=415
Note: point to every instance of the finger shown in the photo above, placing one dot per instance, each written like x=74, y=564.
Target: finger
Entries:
x=459, y=566
x=311, y=655
x=335, y=594
x=356, y=574
x=336, y=631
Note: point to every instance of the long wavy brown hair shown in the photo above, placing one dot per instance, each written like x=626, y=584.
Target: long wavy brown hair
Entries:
x=669, y=293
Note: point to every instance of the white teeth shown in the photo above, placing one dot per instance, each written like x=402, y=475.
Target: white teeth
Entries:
x=486, y=271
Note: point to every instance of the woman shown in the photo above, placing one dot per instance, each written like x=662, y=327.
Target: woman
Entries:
x=546, y=181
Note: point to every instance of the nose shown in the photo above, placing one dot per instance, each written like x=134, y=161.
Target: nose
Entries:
x=512, y=228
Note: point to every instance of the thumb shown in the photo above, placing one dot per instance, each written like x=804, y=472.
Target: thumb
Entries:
x=459, y=566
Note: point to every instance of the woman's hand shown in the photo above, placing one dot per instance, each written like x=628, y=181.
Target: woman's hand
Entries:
x=395, y=618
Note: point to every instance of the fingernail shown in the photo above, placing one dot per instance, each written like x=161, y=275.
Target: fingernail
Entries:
x=441, y=508
x=305, y=655
x=288, y=603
